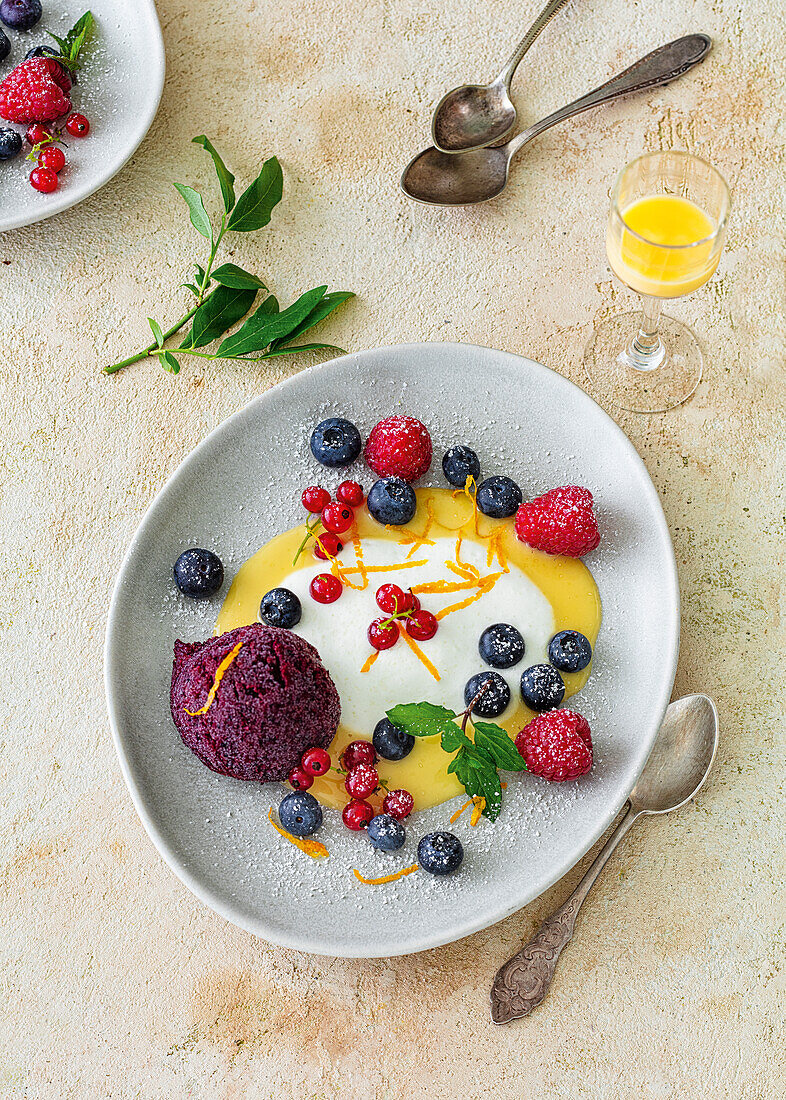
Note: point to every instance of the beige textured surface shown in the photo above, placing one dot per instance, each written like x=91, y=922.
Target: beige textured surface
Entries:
x=115, y=981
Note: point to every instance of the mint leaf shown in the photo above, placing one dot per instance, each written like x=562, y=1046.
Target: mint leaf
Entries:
x=261, y=328
x=226, y=180
x=479, y=779
x=71, y=46
x=455, y=738
x=322, y=309
x=155, y=328
x=232, y=275
x=255, y=206
x=494, y=741
x=421, y=719
x=196, y=207
x=219, y=312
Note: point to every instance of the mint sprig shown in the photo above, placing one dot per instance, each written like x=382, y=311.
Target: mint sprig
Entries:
x=477, y=762
x=225, y=295
x=71, y=46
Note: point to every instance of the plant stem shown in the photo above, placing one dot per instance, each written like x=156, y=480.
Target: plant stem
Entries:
x=151, y=349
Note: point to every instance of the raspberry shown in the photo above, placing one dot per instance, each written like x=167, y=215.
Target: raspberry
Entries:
x=557, y=745
x=399, y=446
x=560, y=522
x=35, y=91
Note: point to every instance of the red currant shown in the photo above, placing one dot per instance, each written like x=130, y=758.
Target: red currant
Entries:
x=314, y=498
x=337, y=517
x=383, y=637
x=361, y=781
x=421, y=625
x=44, y=180
x=77, y=125
x=357, y=814
x=414, y=602
x=325, y=588
x=398, y=804
x=36, y=133
x=358, y=752
x=391, y=598
x=327, y=546
x=52, y=157
x=300, y=779
x=351, y=493
x=315, y=761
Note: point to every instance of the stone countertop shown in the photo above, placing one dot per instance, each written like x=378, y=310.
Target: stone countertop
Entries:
x=116, y=981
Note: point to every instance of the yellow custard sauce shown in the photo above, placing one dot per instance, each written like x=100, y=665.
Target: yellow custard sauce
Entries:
x=471, y=560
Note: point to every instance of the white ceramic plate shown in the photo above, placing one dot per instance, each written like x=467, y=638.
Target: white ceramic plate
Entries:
x=119, y=91
x=241, y=486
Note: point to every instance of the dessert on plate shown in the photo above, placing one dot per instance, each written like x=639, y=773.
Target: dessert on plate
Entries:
x=403, y=646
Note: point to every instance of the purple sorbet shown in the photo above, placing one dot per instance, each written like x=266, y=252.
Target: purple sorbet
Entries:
x=275, y=700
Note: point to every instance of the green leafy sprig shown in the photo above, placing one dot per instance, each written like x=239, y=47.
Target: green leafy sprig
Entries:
x=478, y=760
x=225, y=295
x=71, y=46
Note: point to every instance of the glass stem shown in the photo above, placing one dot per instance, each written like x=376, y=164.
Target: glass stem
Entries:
x=647, y=350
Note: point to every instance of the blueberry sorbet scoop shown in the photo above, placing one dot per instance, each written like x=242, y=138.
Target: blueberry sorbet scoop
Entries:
x=274, y=700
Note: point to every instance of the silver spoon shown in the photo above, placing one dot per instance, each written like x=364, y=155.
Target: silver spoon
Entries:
x=461, y=179
x=475, y=115
x=677, y=767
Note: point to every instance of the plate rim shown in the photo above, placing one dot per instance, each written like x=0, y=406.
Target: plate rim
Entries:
x=68, y=198
x=258, y=927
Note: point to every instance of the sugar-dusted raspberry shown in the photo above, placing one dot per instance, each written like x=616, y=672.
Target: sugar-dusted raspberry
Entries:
x=557, y=745
x=561, y=521
x=399, y=446
x=35, y=91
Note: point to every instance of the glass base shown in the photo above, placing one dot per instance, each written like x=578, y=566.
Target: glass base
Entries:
x=617, y=379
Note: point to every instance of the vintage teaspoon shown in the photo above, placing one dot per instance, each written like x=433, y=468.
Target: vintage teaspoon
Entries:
x=461, y=179
x=675, y=771
x=475, y=115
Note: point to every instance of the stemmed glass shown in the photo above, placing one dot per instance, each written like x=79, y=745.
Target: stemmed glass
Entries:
x=664, y=238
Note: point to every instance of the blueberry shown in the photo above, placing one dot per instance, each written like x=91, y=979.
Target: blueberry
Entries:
x=5, y=46
x=501, y=645
x=41, y=51
x=385, y=833
x=335, y=442
x=280, y=607
x=20, y=14
x=392, y=500
x=10, y=143
x=300, y=813
x=390, y=742
x=498, y=497
x=570, y=651
x=459, y=463
x=493, y=700
x=199, y=573
x=440, y=853
x=542, y=687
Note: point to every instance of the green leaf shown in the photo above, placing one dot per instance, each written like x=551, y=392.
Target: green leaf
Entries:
x=255, y=206
x=454, y=738
x=71, y=46
x=225, y=178
x=422, y=719
x=492, y=739
x=319, y=313
x=190, y=286
x=232, y=275
x=478, y=778
x=261, y=329
x=170, y=362
x=200, y=271
x=220, y=311
x=199, y=218
x=155, y=328
x=293, y=349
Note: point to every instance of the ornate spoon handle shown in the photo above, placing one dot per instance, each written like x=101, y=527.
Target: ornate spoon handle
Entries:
x=523, y=981
x=542, y=21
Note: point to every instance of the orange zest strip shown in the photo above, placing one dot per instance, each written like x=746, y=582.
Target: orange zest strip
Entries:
x=468, y=572
x=385, y=878
x=444, y=586
x=313, y=848
x=219, y=676
x=477, y=811
x=384, y=568
x=357, y=546
x=464, y=603
x=460, y=811
x=370, y=660
x=421, y=539
x=413, y=645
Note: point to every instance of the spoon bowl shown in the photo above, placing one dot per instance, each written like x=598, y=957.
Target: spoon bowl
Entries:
x=681, y=757
x=472, y=117
x=448, y=179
